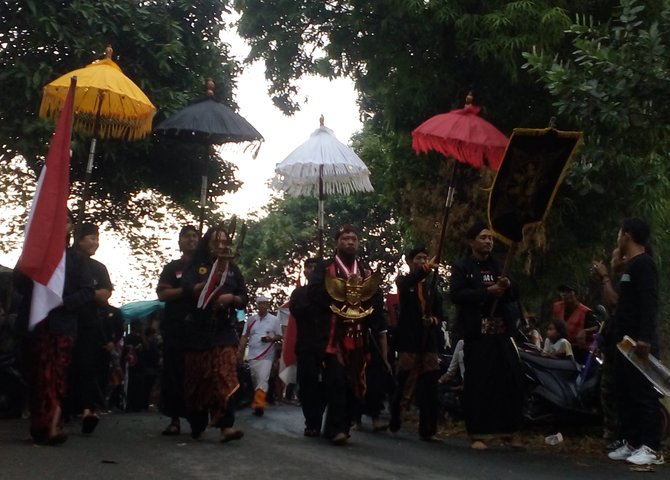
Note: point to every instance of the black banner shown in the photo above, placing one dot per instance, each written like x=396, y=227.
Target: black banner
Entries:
x=531, y=171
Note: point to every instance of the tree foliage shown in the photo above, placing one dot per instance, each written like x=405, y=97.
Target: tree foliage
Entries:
x=275, y=246
x=614, y=85
x=410, y=60
x=167, y=47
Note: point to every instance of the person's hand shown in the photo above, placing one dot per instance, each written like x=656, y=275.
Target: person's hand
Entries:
x=444, y=379
x=498, y=289
x=431, y=263
x=225, y=300
x=240, y=357
x=581, y=338
x=600, y=270
x=642, y=349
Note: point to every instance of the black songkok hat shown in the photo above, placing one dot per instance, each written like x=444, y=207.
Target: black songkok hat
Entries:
x=86, y=229
x=415, y=251
x=472, y=232
x=568, y=287
x=187, y=228
x=345, y=229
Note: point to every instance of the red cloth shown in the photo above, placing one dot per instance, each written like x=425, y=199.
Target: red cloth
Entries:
x=52, y=356
x=575, y=322
x=288, y=349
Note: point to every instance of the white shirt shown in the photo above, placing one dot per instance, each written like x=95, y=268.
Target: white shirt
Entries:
x=258, y=327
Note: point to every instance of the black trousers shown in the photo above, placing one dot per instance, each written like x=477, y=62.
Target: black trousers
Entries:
x=88, y=362
x=172, y=382
x=425, y=398
x=639, y=409
x=342, y=402
x=311, y=388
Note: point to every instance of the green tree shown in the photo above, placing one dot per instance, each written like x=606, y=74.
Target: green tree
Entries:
x=614, y=85
x=411, y=60
x=276, y=245
x=168, y=48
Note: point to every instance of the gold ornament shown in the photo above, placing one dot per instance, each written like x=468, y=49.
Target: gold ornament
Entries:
x=352, y=292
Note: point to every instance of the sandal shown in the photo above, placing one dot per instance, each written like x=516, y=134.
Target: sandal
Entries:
x=172, y=429
x=229, y=434
x=88, y=424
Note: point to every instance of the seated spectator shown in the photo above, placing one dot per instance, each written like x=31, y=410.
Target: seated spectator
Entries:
x=531, y=332
x=580, y=321
x=556, y=344
x=456, y=369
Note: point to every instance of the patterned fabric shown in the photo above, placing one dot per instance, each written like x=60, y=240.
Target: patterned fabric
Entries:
x=52, y=357
x=211, y=379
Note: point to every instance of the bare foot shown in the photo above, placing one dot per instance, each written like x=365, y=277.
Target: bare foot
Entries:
x=478, y=445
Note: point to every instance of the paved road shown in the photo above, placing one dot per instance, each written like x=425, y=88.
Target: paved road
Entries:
x=129, y=446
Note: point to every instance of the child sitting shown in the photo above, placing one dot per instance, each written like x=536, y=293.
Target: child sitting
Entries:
x=556, y=344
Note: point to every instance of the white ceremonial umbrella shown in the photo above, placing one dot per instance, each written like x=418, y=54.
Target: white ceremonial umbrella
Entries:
x=322, y=165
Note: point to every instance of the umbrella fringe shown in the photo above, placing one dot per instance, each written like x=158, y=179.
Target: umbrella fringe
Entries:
x=129, y=128
x=463, y=151
x=344, y=186
x=311, y=170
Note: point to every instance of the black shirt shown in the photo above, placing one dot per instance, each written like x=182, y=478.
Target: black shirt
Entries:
x=172, y=325
x=210, y=327
x=637, y=309
x=411, y=335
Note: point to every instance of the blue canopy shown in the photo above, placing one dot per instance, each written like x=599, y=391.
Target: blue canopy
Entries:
x=142, y=309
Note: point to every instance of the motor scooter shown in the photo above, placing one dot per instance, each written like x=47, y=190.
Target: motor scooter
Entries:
x=562, y=391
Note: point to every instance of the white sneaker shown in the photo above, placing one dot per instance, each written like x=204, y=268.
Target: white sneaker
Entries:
x=621, y=453
x=646, y=456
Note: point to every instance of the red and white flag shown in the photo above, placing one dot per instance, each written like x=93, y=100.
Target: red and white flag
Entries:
x=43, y=255
x=214, y=283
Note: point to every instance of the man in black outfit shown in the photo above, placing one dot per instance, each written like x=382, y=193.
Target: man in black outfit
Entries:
x=92, y=345
x=310, y=349
x=636, y=317
x=417, y=332
x=177, y=305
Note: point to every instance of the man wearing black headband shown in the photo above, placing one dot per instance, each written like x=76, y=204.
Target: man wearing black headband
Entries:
x=487, y=315
x=416, y=341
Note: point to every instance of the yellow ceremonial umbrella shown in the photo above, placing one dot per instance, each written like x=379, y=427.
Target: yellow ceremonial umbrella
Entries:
x=107, y=105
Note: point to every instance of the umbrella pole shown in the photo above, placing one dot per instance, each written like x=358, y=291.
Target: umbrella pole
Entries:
x=87, y=183
x=203, y=202
x=89, y=164
x=321, y=215
x=447, y=209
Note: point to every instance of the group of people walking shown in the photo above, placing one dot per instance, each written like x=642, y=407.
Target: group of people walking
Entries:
x=341, y=328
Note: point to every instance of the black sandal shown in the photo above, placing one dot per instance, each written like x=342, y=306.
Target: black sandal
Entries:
x=88, y=424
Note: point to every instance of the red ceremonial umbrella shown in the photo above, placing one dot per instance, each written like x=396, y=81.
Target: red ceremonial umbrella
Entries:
x=465, y=136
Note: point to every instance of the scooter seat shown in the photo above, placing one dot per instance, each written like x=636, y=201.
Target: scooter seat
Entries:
x=564, y=364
